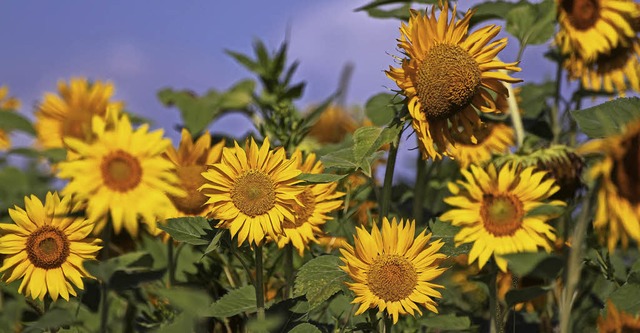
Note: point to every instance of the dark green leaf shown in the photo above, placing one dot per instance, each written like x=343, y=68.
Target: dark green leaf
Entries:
x=627, y=298
x=400, y=13
x=446, y=232
x=381, y=109
x=446, y=322
x=243, y=60
x=238, y=96
x=190, y=301
x=526, y=294
x=236, y=301
x=319, y=279
x=539, y=264
x=490, y=10
x=52, y=319
x=546, y=209
x=320, y=178
x=10, y=121
x=104, y=270
x=534, y=96
x=305, y=328
x=130, y=278
x=532, y=23
x=608, y=118
x=188, y=229
x=215, y=243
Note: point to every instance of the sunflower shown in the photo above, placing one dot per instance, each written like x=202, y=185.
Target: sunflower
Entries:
x=121, y=174
x=46, y=247
x=496, y=212
x=591, y=28
x=6, y=104
x=252, y=191
x=618, y=212
x=617, y=321
x=493, y=138
x=191, y=160
x=448, y=76
x=392, y=269
x=317, y=201
x=333, y=125
x=70, y=113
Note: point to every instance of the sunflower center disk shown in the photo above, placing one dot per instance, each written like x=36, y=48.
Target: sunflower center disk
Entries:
x=47, y=248
x=302, y=213
x=253, y=193
x=121, y=171
x=191, y=179
x=583, y=14
x=392, y=277
x=447, y=80
x=626, y=171
x=502, y=214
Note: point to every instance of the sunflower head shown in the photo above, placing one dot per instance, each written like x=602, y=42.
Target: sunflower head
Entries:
x=121, y=175
x=619, y=177
x=491, y=138
x=333, y=125
x=191, y=160
x=448, y=76
x=252, y=190
x=316, y=202
x=392, y=268
x=70, y=113
x=615, y=321
x=46, y=247
x=495, y=210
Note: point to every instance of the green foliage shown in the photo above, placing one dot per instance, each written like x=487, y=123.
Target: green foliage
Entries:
x=399, y=12
x=52, y=319
x=525, y=294
x=446, y=322
x=490, y=10
x=10, y=121
x=627, y=298
x=446, y=232
x=534, y=97
x=539, y=264
x=319, y=279
x=532, y=23
x=236, y=301
x=191, y=229
x=305, y=328
x=608, y=118
x=381, y=108
x=316, y=178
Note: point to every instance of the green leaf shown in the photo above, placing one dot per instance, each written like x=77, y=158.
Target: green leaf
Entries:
x=446, y=322
x=53, y=319
x=490, y=11
x=317, y=178
x=400, y=13
x=238, y=96
x=104, y=270
x=189, y=229
x=215, y=243
x=446, y=232
x=608, y=118
x=305, y=328
x=539, y=264
x=188, y=300
x=130, y=278
x=319, y=279
x=531, y=23
x=546, y=209
x=340, y=159
x=627, y=298
x=381, y=109
x=236, y=301
x=10, y=121
x=534, y=97
x=526, y=294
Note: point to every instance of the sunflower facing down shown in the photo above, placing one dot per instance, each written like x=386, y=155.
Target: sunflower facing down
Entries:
x=448, y=77
x=492, y=138
x=191, y=160
x=6, y=104
x=121, y=175
x=69, y=114
x=618, y=212
x=392, y=268
x=318, y=200
x=496, y=212
x=46, y=247
x=252, y=191
x=616, y=321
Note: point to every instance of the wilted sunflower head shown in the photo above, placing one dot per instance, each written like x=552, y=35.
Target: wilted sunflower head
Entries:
x=448, y=76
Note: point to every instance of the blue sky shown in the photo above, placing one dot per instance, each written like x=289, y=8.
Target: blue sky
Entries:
x=143, y=48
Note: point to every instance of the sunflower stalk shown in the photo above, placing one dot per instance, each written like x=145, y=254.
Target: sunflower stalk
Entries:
x=104, y=307
x=259, y=283
x=288, y=270
x=388, y=323
x=495, y=309
x=556, y=126
x=418, y=192
x=385, y=201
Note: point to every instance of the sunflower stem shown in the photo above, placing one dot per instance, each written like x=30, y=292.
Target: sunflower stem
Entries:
x=373, y=318
x=288, y=270
x=388, y=323
x=574, y=267
x=514, y=113
x=170, y=264
x=556, y=126
x=385, y=201
x=259, y=283
x=496, y=315
x=418, y=192
x=104, y=307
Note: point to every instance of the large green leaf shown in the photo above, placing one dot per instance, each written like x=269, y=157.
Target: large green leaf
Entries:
x=534, y=97
x=447, y=232
x=191, y=229
x=52, y=319
x=526, y=294
x=305, y=328
x=317, y=178
x=236, y=301
x=627, y=298
x=539, y=264
x=608, y=118
x=381, y=109
x=531, y=23
x=446, y=322
x=104, y=270
x=319, y=279
x=490, y=10
x=10, y=121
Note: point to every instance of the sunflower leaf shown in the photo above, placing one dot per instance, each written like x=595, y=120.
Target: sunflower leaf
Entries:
x=236, y=301
x=627, y=298
x=13, y=121
x=446, y=322
x=446, y=232
x=531, y=23
x=608, y=118
x=525, y=294
x=317, y=178
x=305, y=328
x=319, y=279
x=191, y=229
x=537, y=264
x=490, y=10
x=381, y=109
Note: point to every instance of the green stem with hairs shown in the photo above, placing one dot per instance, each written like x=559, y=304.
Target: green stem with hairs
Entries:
x=385, y=201
x=259, y=283
x=288, y=270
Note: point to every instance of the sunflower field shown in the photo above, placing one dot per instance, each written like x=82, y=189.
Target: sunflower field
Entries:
x=522, y=213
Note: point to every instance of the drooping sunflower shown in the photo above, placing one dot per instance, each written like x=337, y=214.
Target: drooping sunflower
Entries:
x=46, y=247
x=69, y=114
x=492, y=138
x=6, y=104
x=591, y=28
x=618, y=212
x=317, y=201
x=252, y=191
x=449, y=76
x=616, y=321
x=121, y=175
x=392, y=269
x=496, y=212
x=333, y=125
x=191, y=160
